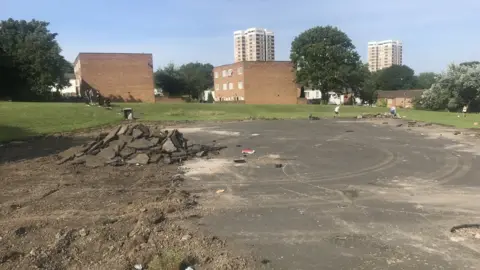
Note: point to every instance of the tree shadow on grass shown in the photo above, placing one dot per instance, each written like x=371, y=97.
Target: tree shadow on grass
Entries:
x=31, y=145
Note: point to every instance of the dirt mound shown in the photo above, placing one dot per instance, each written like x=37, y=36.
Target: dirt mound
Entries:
x=136, y=144
x=147, y=236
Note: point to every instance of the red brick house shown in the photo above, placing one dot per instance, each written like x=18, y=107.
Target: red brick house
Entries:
x=256, y=82
x=122, y=77
x=399, y=98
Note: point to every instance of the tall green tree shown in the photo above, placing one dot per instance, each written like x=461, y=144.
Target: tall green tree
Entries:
x=36, y=65
x=188, y=79
x=197, y=78
x=325, y=59
x=425, y=80
x=368, y=87
x=170, y=80
x=396, y=77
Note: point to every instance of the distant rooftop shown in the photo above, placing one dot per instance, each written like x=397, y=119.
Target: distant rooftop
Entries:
x=414, y=93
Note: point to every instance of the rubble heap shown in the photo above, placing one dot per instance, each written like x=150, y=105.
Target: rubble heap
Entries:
x=136, y=144
x=378, y=115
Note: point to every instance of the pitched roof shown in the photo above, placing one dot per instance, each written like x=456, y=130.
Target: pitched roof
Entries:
x=415, y=93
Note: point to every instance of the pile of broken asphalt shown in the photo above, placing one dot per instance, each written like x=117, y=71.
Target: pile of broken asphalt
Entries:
x=136, y=144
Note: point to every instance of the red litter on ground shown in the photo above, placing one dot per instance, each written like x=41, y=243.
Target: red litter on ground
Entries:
x=248, y=151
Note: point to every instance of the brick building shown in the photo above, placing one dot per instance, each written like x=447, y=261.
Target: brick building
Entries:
x=399, y=98
x=271, y=82
x=119, y=76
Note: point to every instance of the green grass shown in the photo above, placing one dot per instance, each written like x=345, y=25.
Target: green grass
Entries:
x=196, y=111
x=444, y=118
x=21, y=120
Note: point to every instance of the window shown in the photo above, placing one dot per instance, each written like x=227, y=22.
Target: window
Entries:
x=216, y=74
x=224, y=86
x=224, y=73
x=230, y=86
x=240, y=70
x=240, y=85
x=217, y=87
x=230, y=72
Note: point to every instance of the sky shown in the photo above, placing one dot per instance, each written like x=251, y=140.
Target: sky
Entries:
x=434, y=33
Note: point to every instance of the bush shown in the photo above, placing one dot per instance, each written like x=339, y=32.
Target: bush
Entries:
x=452, y=105
x=210, y=98
x=381, y=103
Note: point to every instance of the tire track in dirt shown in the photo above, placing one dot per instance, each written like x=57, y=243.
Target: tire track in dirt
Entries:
x=390, y=161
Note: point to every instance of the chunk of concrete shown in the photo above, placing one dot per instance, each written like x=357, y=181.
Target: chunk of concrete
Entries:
x=168, y=146
x=111, y=135
x=127, y=152
x=141, y=159
x=140, y=144
x=107, y=153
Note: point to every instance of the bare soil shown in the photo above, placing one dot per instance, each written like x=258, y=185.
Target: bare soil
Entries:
x=72, y=217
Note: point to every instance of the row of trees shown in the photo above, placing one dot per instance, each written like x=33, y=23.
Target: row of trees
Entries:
x=30, y=61
x=189, y=79
x=326, y=59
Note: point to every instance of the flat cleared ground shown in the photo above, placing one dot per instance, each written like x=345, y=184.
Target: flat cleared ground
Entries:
x=349, y=195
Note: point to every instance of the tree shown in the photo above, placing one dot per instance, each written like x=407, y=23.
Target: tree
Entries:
x=324, y=58
x=425, y=80
x=210, y=98
x=35, y=64
x=470, y=63
x=189, y=79
x=458, y=86
x=368, y=90
x=197, y=77
x=170, y=80
x=396, y=77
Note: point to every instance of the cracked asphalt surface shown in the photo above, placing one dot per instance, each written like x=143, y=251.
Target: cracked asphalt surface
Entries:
x=349, y=195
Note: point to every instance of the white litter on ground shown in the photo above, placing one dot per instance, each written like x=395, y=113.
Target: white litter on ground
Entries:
x=274, y=156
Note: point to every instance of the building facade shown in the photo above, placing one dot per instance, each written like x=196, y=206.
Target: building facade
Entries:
x=254, y=82
x=399, y=98
x=254, y=44
x=384, y=54
x=121, y=77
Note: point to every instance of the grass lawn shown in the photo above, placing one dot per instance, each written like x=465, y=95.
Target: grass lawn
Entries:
x=21, y=120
